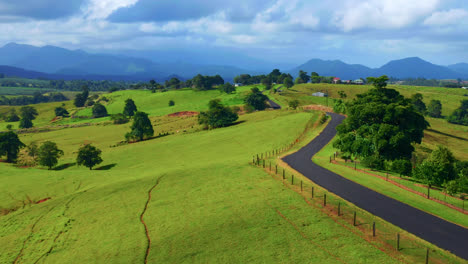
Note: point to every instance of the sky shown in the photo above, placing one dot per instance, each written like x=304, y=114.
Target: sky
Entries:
x=369, y=32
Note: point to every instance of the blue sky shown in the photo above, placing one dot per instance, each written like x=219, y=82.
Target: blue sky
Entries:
x=368, y=32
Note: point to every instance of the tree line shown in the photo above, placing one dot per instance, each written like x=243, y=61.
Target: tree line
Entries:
x=36, y=98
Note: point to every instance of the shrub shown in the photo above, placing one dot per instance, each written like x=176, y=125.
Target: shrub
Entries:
x=171, y=103
x=99, y=110
x=119, y=119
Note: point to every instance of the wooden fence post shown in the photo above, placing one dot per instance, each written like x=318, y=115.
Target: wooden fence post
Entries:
x=292, y=179
x=312, y=192
x=270, y=165
x=301, y=185
x=324, y=199
x=263, y=163
x=355, y=165
x=373, y=229
x=428, y=191
x=398, y=242
x=276, y=169
x=339, y=208
x=427, y=256
x=354, y=219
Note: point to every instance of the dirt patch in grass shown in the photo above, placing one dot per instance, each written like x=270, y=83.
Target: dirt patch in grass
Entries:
x=184, y=113
x=318, y=108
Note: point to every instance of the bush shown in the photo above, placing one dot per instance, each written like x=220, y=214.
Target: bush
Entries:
x=12, y=116
x=99, y=111
x=60, y=111
x=401, y=166
x=217, y=115
x=89, y=102
x=324, y=118
x=294, y=104
x=119, y=119
x=374, y=162
x=171, y=103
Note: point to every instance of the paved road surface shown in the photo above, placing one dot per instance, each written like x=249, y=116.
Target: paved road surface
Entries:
x=446, y=235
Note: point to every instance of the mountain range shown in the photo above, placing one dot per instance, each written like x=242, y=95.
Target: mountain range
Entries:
x=52, y=62
x=413, y=67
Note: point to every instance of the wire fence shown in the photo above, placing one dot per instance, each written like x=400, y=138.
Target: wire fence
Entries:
x=396, y=242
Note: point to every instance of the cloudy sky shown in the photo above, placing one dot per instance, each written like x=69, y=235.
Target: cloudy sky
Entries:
x=369, y=32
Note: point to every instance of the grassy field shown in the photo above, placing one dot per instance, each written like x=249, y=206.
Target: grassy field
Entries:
x=207, y=205
x=450, y=98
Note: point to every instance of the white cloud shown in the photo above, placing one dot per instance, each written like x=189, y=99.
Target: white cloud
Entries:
x=452, y=16
x=381, y=14
x=101, y=9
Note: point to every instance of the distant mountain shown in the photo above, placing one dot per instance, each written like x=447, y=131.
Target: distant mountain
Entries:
x=63, y=62
x=335, y=68
x=415, y=67
x=405, y=68
x=459, y=67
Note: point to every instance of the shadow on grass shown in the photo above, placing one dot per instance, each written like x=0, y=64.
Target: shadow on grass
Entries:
x=447, y=135
x=107, y=167
x=64, y=166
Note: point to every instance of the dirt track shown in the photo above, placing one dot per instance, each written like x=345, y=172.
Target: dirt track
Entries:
x=446, y=235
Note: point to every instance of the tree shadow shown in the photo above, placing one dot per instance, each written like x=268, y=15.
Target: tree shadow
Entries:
x=64, y=166
x=107, y=167
x=447, y=135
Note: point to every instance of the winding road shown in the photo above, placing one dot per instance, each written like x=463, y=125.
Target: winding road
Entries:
x=433, y=229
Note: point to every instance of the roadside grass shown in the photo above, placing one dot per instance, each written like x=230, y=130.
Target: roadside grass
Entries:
x=210, y=205
x=390, y=190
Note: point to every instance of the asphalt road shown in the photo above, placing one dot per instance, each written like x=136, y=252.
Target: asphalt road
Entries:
x=435, y=230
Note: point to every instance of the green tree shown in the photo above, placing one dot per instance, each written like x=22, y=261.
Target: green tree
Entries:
x=217, y=115
x=10, y=145
x=49, y=154
x=81, y=98
x=378, y=82
x=339, y=106
x=28, y=112
x=460, y=115
x=130, y=107
x=227, y=88
x=342, y=94
x=171, y=103
x=267, y=83
x=315, y=77
x=141, y=127
x=438, y=168
x=434, y=109
x=32, y=149
x=99, y=110
x=256, y=99
x=60, y=111
x=119, y=119
x=89, y=156
x=401, y=166
x=288, y=83
x=12, y=116
x=294, y=103
x=304, y=76
x=380, y=123
x=418, y=104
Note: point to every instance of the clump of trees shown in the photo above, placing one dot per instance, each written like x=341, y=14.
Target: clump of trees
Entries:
x=141, y=128
x=89, y=156
x=28, y=114
x=203, y=83
x=227, y=88
x=35, y=99
x=256, y=99
x=11, y=116
x=217, y=115
x=460, y=115
x=381, y=126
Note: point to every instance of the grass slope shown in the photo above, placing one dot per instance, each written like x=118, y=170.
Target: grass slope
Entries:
x=209, y=205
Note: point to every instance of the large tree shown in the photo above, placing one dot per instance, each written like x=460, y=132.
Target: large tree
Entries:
x=381, y=124
x=49, y=154
x=304, y=76
x=89, y=156
x=130, y=107
x=141, y=127
x=10, y=145
x=438, y=168
x=217, y=115
x=256, y=99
